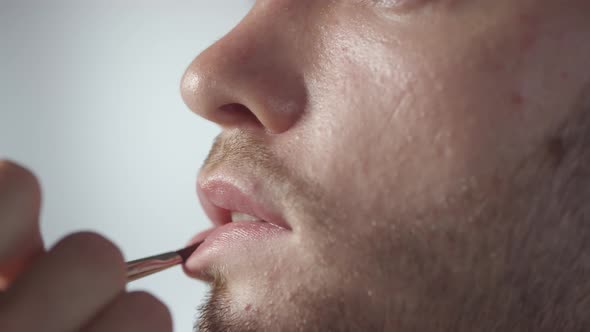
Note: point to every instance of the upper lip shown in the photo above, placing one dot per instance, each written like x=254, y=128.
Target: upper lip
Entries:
x=220, y=195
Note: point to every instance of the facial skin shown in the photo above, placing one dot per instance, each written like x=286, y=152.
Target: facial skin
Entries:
x=430, y=157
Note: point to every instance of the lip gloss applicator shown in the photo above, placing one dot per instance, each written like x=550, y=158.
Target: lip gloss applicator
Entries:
x=146, y=266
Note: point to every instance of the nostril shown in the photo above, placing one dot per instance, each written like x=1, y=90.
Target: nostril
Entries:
x=235, y=108
x=237, y=115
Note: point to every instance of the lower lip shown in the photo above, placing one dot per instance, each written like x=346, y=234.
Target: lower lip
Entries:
x=220, y=241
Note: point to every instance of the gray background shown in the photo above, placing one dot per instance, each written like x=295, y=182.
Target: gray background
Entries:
x=89, y=100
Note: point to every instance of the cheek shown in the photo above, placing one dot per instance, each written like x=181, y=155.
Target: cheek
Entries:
x=412, y=122
x=354, y=131
x=365, y=129
x=378, y=148
x=354, y=110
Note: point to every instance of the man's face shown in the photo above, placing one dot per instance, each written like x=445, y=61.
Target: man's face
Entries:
x=409, y=150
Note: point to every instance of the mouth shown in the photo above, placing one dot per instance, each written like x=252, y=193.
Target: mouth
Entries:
x=244, y=219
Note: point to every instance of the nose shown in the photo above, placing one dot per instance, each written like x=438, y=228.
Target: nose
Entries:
x=249, y=78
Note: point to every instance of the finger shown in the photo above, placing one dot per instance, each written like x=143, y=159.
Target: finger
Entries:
x=20, y=239
x=130, y=312
x=66, y=287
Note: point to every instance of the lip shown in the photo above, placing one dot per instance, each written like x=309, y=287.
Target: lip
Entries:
x=220, y=196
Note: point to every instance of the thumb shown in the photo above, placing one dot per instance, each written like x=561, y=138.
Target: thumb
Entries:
x=20, y=238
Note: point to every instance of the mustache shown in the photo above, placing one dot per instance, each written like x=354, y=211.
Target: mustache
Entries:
x=242, y=150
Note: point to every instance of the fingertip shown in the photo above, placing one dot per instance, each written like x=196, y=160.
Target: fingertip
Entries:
x=20, y=236
x=17, y=179
x=151, y=306
x=133, y=311
x=77, y=278
x=96, y=254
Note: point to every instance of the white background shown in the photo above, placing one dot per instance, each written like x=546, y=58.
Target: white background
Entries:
x=89, y=100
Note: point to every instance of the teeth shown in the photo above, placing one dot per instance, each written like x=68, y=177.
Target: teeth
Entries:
x=242, y=217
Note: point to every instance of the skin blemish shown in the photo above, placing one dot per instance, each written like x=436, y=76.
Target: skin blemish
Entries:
x=248, y=307
x=556, y=150
x=528, y=41
x=516, y=99
x=497, y=67
x=529, y=36
x=565, y=75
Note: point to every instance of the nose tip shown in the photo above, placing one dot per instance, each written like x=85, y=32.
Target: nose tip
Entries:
x=246, y=79
x=205, y=98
